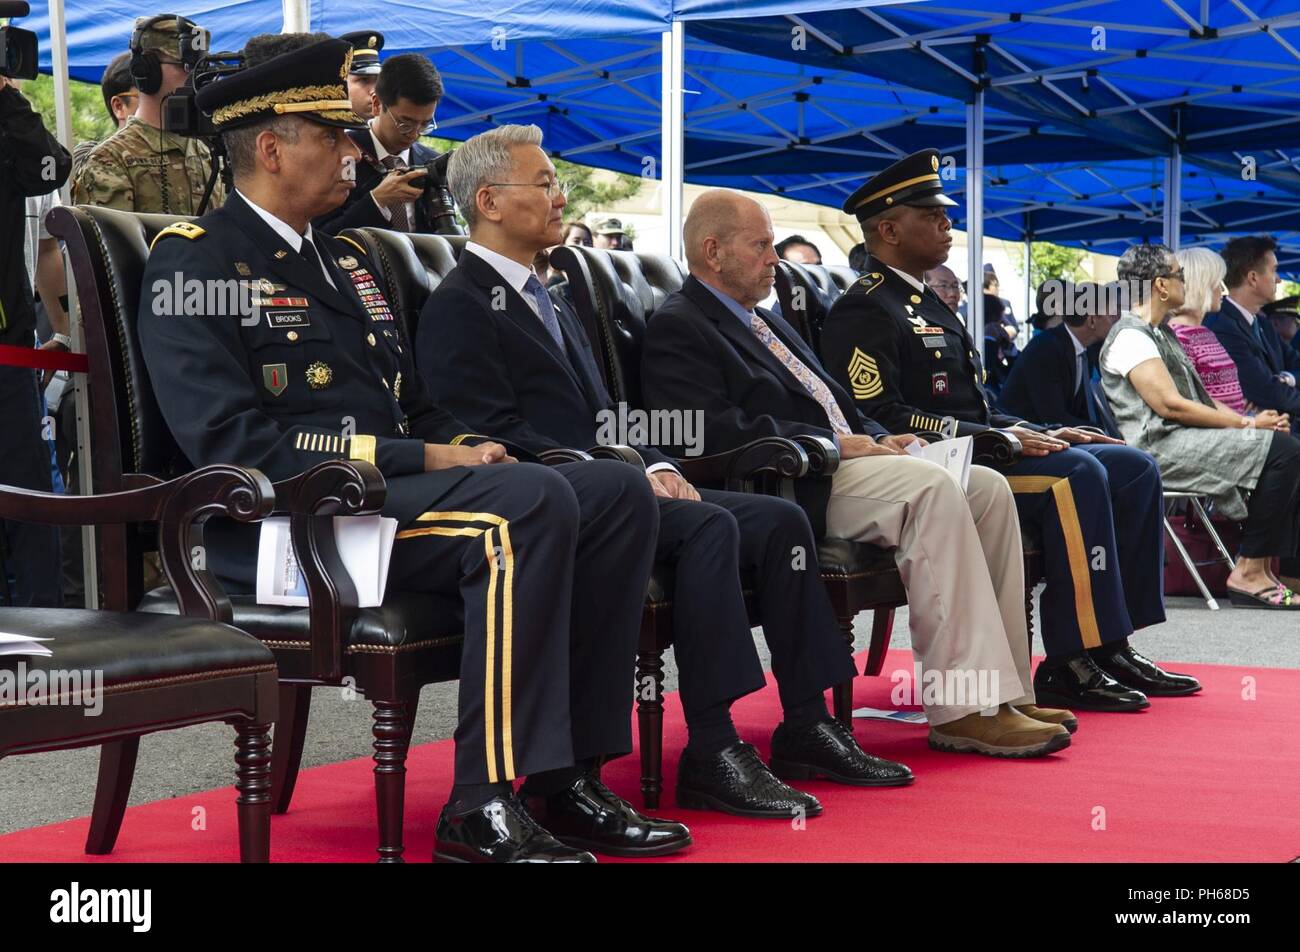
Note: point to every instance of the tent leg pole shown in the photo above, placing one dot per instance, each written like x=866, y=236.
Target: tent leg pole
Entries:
x=975, y=215
x=671, y=131
x=296, y=15
x=1173, y=199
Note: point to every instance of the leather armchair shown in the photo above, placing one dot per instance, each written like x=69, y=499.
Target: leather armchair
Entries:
x=158, y=673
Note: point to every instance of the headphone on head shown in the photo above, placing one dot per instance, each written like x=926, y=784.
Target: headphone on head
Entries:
x=146, y=65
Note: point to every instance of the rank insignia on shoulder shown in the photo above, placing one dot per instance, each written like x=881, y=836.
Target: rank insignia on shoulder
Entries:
x=869, y=282
x=319, y=375
x=864, y=376
x=275, y=377
x=347, y=262
x=185, y=229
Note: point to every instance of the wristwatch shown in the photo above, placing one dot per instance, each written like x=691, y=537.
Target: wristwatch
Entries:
x=62, y=340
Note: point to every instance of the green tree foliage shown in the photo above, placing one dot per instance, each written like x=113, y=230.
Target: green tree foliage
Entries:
x=1052, y=262
x=586, y=192
x=90, y=120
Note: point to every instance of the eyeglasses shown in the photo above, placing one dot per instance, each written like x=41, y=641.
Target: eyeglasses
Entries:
x=1173, y=274
x=407, y=126
x=553, y=189
x=945, y=285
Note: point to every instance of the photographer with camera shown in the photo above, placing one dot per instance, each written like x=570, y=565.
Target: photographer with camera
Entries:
x=143, y=167
x=400, y=184
x=31, y=163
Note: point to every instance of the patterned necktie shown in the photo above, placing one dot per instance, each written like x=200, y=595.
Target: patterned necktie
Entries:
x=399, y=220
x=545, y=310
x=814, y=384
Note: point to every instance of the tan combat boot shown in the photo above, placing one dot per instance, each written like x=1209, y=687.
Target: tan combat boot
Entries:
x=1008, y=733
x=1050, y=715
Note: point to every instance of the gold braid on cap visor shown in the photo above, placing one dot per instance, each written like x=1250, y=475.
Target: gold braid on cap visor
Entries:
x=330, y=101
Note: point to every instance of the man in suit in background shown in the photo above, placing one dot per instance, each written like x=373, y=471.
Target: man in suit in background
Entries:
x=1051, y=382
x=495, y=348
x=1268, y=370
x=390, y=173
x=711, y=349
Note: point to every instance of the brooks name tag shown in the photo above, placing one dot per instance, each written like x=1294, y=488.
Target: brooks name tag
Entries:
x=288, y=319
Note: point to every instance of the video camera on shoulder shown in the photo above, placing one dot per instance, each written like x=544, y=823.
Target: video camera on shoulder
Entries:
x=17, y=47
x=180, y=112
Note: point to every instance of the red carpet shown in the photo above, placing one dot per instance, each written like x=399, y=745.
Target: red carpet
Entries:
x=1207, y=778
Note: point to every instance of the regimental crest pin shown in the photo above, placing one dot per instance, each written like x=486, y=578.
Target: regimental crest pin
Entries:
x=864, y=376
x=319, y=375
x=275, y=377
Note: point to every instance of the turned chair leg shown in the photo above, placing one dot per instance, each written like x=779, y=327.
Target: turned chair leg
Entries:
x=116, y=771
x=650, y=724
x=290, y=734
x=842, y=694
x=253, y=781
x=392, y=736
x=882, y=629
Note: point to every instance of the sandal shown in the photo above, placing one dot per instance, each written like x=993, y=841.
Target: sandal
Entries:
x=1277, y=597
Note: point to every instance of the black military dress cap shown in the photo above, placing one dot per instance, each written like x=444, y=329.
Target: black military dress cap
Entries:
x=308, y=82
x=366, y=45
x=1283, y=307
x=910, y=181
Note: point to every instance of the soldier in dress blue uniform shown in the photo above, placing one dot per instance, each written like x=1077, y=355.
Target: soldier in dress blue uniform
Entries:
x=1096, y=504
x=551, y=563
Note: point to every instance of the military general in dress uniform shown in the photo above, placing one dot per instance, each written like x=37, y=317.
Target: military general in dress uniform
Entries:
x=910, y=363
x=551, y=562
x=142, y=167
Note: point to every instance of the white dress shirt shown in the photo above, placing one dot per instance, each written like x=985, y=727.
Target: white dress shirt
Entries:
x=291, y=237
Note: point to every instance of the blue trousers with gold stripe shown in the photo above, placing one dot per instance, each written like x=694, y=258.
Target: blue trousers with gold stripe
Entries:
x=1097, y=511
x=552, y=565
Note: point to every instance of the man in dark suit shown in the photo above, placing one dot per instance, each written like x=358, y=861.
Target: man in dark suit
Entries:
x=1051, y=382
x=308, y=365
x=1268, y=370
x=910, y=363
x=390, y=172
x=495, y=349
x=710, y=349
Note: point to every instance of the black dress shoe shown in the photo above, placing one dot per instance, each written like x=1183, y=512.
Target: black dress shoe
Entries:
x=1081, y=685
x=590, y=816
x=829, y=749
x=500, y=831
x=735, y=780
x=1132, y=670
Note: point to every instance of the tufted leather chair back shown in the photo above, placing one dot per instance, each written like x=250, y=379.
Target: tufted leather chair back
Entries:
x=615, y=292
x=108, y=250
x=841, y=276
x=410, y=267
x=806, y=293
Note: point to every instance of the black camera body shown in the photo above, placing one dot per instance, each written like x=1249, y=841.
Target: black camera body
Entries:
x=17, y=47
x=436, y=203
x=181, y=113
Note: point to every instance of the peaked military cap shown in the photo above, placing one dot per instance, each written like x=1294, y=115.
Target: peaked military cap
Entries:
x=307, y=82
x=1284, y=307
x=366, y=45
x=910, y=181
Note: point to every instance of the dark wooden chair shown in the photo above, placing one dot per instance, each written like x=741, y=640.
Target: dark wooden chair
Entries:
x=388, y=652
x=149, y=672
x=615, y=293
x=410, y=267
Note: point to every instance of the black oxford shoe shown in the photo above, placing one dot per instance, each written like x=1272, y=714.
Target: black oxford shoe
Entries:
x=588, y=815
x=735, y=780
x=829, y=749
x=500, y=831
x=1133, y=670
x=1081, y=685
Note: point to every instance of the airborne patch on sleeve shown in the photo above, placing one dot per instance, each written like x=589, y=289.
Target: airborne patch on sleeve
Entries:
x=864, y=376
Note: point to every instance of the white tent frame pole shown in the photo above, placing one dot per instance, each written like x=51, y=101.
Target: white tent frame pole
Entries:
x=62, y=95
x=672, y=136
x=975, y=215
x=1029, y=281
x=1173, y=212
x=296, y=15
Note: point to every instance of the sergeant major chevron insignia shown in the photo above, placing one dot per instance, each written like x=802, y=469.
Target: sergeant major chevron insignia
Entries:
x=864, y=376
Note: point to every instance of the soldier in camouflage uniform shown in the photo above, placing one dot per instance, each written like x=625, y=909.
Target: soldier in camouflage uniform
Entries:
x=141, y=167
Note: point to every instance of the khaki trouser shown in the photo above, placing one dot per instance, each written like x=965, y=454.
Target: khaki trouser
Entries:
x=961, y=563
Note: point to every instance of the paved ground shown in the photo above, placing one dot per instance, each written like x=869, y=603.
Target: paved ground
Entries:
x=44, y=788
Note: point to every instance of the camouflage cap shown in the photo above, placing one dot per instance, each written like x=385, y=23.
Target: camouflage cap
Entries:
x=170, y=34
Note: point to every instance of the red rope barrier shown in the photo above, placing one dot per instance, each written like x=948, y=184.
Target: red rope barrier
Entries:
x=12, y=356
